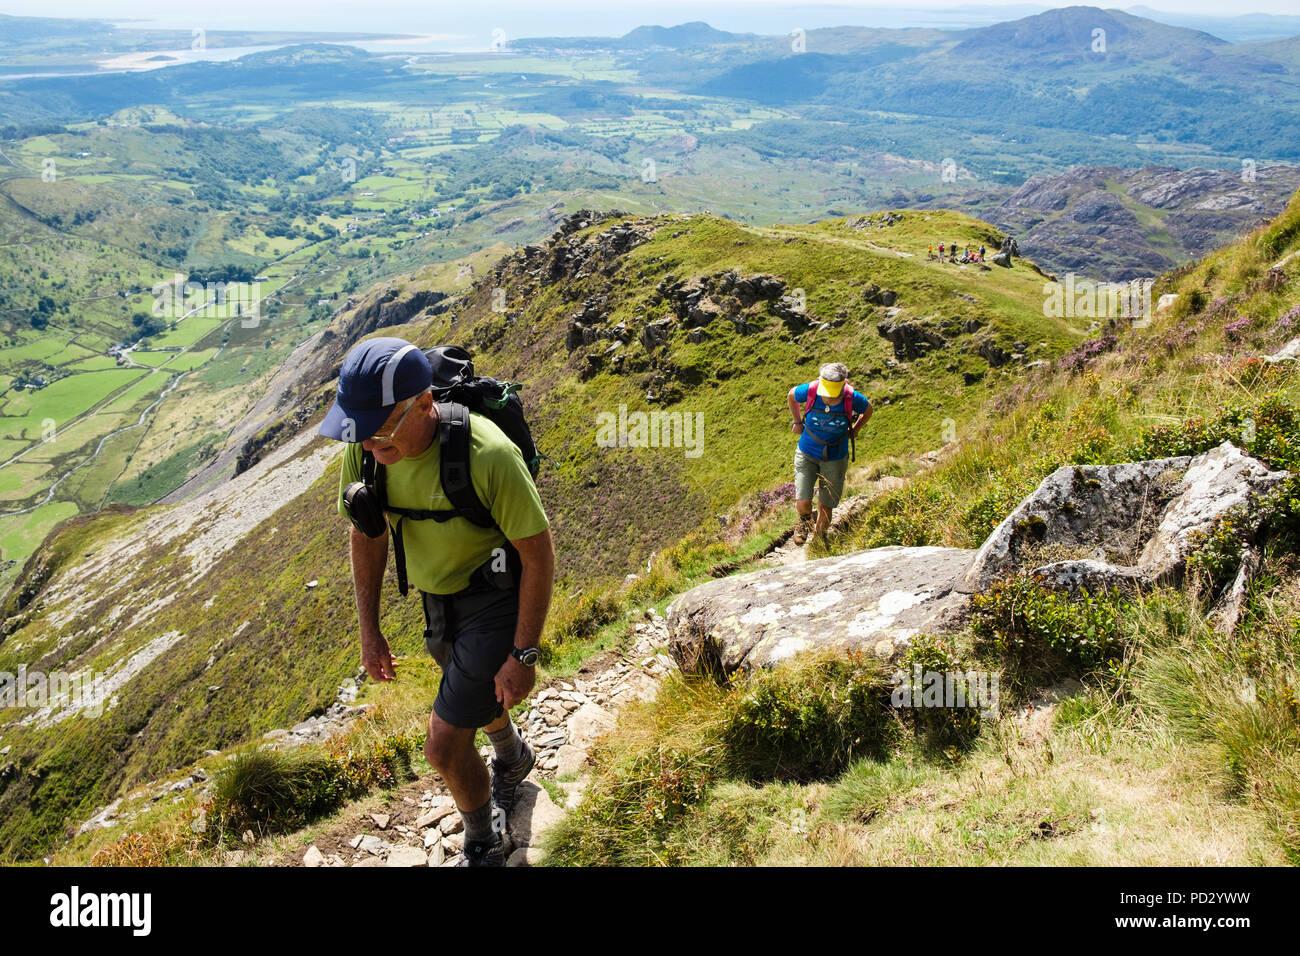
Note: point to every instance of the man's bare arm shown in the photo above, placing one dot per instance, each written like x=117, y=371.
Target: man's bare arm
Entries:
x=514, y=681
x=538, y=556
x=369, y=556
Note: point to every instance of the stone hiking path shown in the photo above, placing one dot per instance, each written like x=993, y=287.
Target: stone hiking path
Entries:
x=418, y=825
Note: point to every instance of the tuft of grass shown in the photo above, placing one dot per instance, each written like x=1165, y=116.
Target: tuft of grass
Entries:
x=160, y=846
x=659, y=762
x=1237, y=699
x=672, y=759
x=869, y=787
x=265, y=792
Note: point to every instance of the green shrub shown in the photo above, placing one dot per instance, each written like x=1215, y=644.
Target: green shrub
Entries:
x=1190, y=437
x=579, y=618
x=1272, y=518
x=810, y=718
x=1269, y=430
x=384, y=763
x=1041, y=635
x=939, y=728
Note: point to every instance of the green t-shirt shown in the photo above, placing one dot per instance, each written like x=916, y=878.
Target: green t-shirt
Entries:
x=441, y=555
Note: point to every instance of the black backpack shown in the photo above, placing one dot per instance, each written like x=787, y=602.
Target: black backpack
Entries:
x=458, y=391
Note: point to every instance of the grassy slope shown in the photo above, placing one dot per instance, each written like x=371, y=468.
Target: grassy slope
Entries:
x=298, y=644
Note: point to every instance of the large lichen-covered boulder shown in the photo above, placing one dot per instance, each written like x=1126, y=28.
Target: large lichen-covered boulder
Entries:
x=1221, y=479
x=875, y=600
x=1090, y=526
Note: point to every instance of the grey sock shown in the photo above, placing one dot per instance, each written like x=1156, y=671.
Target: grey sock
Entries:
x=478, y=823
x=507, y=743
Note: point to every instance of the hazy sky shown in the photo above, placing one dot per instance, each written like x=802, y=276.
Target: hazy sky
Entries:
x=564, y=17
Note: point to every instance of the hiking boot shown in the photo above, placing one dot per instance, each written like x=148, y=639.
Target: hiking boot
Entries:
x=490, y=852
x=802, y=528
x=506, y=779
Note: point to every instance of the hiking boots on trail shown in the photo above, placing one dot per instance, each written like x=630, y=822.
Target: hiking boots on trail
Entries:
x=506, y=779
x=490, y=852
x=803, y=528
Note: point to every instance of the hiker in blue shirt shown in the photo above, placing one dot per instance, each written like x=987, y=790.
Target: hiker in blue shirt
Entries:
x=828, y=414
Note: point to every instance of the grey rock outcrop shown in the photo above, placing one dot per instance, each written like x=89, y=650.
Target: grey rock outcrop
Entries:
x=1287, y=353
x=1216, y=481
x=874, y=600
x=910, y=339
x=1009, y=248
x=1122, y=525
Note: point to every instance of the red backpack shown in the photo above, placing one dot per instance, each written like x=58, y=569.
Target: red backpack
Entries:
x=847, y=412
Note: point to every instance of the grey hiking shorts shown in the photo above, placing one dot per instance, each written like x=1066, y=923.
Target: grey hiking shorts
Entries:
x=831, y=486
x=470, y=636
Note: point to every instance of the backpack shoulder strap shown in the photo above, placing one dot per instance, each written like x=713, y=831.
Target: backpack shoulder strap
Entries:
x=454, y=442
x=374, y=476
x=848, y=402
x=812, y=395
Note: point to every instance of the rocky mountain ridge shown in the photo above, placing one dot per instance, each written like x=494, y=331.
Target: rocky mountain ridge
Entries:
x=1116, y=224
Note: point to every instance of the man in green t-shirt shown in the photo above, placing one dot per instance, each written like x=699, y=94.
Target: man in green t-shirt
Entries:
x=489, y=634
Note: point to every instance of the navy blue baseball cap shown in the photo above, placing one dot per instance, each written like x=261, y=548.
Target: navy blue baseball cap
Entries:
x=376, y=375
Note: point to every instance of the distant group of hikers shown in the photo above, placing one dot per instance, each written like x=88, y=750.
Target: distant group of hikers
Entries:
x=949, y=253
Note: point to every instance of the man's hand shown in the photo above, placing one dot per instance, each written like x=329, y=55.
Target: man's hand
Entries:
x=514, y=682
x=796, y=427
x=377, y=659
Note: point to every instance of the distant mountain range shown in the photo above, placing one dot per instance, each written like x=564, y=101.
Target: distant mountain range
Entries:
x=683, y=36
x=1247, y=28
x=1079, y=68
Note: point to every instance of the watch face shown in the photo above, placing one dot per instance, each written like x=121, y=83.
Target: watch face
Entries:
x=528, y=657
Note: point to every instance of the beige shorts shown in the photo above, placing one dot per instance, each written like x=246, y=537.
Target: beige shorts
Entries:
x=830, y=487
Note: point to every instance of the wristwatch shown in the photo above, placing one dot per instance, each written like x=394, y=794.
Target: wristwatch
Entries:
x=528, y=656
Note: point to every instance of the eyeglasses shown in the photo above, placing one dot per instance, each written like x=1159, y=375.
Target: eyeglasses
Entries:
x=393, y=431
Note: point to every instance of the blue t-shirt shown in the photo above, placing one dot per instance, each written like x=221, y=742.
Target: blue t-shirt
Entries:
x=830, y=427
